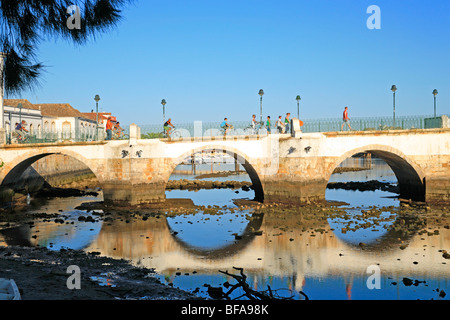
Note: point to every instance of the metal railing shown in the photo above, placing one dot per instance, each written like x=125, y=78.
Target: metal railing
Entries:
x=197, y=129
x=366, y=124
x=310, y=125
x=40, y=136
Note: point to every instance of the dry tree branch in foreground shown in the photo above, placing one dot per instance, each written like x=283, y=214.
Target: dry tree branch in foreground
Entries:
x=249, y=292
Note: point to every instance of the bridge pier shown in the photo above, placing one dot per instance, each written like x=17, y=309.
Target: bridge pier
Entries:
x=127, y=194
x=294, y=192
x=438, y=190
x=298, y=179
x=133, y=180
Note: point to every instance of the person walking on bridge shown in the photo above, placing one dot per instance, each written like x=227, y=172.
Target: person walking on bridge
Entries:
x=254, y=122
x=287, y=123
x=268, y=125
x=346, y=120
x=109, y=127
x=280, y=125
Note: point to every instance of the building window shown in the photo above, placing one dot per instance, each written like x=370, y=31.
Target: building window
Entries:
x=66, y=130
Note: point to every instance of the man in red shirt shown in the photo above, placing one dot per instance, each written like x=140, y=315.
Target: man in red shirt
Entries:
x=109, y=127
x=346, y=119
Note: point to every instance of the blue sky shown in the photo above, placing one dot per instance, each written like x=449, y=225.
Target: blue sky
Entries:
x=209, y=58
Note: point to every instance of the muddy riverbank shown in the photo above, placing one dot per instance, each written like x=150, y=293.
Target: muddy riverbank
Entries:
x=41, y=274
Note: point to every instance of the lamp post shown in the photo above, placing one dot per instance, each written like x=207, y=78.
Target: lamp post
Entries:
x=394, y=89
x=435, y=93
x=261, y=93
x=97, y=99
x=163, y=102
x=298, y=106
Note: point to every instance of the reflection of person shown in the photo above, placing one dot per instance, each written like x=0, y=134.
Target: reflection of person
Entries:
x=346, y=119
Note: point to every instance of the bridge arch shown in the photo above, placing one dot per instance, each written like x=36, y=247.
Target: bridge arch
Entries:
x=241, y=157
x=411, y=178
x=14, y=169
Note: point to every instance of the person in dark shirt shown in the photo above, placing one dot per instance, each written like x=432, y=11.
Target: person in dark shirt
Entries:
x=167, y=126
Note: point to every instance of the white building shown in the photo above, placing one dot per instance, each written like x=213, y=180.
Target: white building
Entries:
x=48, y=122
x=17, y=110
x=67, y=122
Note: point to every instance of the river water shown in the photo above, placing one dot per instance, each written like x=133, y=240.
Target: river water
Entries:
x=330, y=261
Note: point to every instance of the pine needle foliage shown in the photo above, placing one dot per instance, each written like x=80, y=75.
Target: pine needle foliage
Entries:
x=24, y=24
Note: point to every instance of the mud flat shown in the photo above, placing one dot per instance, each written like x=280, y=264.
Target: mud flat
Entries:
x=41, y=274
x=364, y=186
x=185, y=184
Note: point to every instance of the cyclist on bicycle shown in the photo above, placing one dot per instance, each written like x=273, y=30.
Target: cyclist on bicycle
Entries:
x=254, y=122
x=21, y=130
x=167, y=127
x=117, y=130
x=225, y=125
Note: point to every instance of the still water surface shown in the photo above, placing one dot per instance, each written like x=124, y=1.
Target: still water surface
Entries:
x=187, y=251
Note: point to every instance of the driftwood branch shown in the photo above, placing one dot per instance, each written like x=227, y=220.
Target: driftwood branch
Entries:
x=249, y=292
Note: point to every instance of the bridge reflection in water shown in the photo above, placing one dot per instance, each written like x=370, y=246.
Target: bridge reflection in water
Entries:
x=294, y=250
x=287, y=249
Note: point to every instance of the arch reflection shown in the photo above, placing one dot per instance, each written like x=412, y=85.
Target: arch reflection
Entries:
x=225, y=249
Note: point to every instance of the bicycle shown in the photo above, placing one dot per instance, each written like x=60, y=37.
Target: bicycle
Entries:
x=250, y=130
x=119, y=135
x=19, y=137
x=223, y=131
x=173, y=135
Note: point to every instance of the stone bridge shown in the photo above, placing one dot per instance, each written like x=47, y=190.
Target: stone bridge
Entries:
x=284, y=167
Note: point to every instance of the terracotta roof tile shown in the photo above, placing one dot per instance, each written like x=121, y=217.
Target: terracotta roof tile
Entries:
x=59, y=110
x=15, y=103
x=93, y=115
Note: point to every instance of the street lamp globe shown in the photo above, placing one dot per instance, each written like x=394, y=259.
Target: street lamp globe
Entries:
x=261, y=93
x=394, y=89
x=97, y=99
x=435, y=93
x=163, y=102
